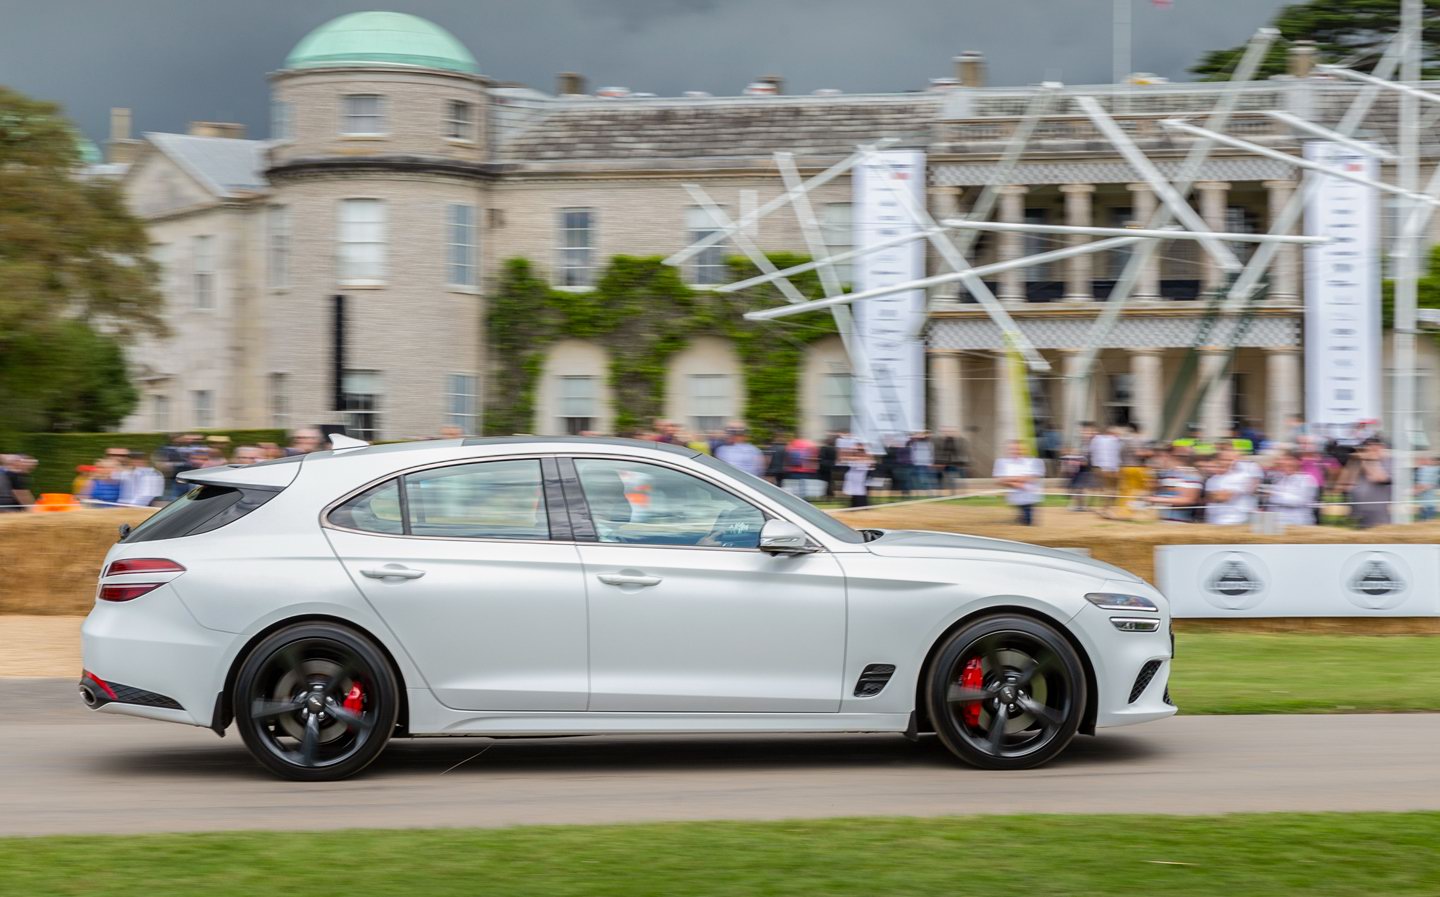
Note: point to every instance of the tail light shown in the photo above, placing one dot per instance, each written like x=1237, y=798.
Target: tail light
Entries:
x=128, y=591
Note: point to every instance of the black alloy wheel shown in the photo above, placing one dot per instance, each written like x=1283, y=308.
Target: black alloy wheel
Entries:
x=315, y=702
x=1006, y=692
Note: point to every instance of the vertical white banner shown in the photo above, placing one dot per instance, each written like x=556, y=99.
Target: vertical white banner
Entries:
x=1342, y=293
x=896, y=394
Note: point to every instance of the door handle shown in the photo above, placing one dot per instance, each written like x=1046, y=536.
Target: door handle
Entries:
x=628, y=579
x=393, y=571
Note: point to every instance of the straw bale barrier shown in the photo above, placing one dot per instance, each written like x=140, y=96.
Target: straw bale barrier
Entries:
x=52, y=560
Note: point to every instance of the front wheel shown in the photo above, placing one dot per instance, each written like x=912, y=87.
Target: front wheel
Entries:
x=315, y=702
x=1006, y=692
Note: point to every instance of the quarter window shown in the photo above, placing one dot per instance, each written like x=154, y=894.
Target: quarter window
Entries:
x=645, y=504
x=363, y=114
x=376, y=510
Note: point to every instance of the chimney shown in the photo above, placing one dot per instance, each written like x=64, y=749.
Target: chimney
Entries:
x=776, y=80
x=569, y=84
x=970, y=68
x=1301, y=59
x=217, y=129
x=121, y=147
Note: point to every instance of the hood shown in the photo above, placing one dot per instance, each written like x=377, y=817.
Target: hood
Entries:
x=920, y=544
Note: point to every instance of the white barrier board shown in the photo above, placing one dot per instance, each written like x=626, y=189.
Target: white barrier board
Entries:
x=1300, y=580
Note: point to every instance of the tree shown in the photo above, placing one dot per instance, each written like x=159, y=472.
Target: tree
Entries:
x=75, y=279
x=1343, y=31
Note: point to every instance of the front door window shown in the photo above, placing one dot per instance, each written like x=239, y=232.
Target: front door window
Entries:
x=645, y=504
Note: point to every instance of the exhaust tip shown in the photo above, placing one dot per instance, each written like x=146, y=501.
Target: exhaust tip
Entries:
x=87, y=694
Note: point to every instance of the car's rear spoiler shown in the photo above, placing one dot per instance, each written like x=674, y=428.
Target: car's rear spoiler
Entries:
x=275, y=474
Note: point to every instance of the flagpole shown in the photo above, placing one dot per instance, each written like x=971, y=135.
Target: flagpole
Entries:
x=1120, y=44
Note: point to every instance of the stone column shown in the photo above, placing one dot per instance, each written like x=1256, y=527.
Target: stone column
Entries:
x=1216, y=417
x=1282, y=388
x=1214, y=196
x=944, y=203
x=1147, y=374
x=1079, y=269
x=1075, y=396
x=1142, y=210
x=947, y=390
x=1285, y=271
x=1012, y=246
x=1007, y=418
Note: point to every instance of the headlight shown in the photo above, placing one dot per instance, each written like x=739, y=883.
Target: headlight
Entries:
x=1114, y=601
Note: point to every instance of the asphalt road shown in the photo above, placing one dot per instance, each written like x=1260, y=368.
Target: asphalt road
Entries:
x=67, y=770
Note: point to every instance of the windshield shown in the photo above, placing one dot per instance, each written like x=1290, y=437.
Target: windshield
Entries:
x=799, y=506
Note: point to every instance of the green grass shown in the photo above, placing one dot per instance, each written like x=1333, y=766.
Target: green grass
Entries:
x=1271, y=855
x=1232, y=672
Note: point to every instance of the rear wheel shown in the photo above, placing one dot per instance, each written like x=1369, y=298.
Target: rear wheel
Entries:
x=315, y=702
x=1006, y=692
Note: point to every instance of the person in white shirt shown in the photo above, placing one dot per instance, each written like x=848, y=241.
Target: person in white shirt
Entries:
x=1022, y=477
x=1229, y=493
x=738, y=451
x=1105, y=462
x=852, y=455
x=1292, y=495
x=140, y=483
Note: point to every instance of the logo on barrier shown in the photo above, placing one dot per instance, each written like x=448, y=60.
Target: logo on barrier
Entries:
x=1234, y=580
x=1376, y=580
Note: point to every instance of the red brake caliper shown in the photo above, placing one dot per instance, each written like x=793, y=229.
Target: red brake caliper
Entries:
x=355, y=699
x=972, y=677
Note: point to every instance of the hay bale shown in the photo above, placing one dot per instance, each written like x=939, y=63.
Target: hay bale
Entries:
x=1126, y=544
x=53, y=560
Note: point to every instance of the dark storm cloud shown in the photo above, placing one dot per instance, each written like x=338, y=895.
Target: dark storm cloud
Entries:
x=173, y=61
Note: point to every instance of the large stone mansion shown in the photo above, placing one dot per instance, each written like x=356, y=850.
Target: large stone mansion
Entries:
x=399, y=176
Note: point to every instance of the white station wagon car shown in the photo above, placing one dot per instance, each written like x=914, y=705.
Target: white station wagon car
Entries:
x=567, y=586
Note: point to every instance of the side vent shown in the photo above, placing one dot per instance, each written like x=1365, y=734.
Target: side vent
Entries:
x=1142, y=681
x=873, y=679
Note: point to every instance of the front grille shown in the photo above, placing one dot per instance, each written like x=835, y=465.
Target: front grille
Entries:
x=873, y=679
x=128, y=694
x=1142, y=681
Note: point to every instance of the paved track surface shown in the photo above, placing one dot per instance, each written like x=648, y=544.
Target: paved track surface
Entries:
x=70, y=771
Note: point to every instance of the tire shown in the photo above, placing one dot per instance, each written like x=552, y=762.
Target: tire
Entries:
x=298, y=669
x=994, y=659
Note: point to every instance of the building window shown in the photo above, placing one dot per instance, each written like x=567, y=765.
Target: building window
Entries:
x=460, y=402
x=277, y=246
x=460, y=265
x=362, y=241
x=837, y=225
x=204, y=404
x=1240, y=220
x=576, y=265
x=279, y=389
x=203, y=249
x=280, y=120
x=835, y=407
x=160, y=412
x=1121, y=216
x=709, y=402
x=708, y=267
x=459, y=120
x=1034, y=244
x=360, y=391
x=1120, y=399
x=362, y=115
x=577, y=404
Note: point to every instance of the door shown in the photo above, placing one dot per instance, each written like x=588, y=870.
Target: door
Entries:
x=460, y=563
x=687, y=614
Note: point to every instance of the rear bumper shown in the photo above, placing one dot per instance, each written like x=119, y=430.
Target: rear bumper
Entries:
x=168, y=663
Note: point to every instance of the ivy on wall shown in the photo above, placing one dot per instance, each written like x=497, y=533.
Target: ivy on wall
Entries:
x=642, y=313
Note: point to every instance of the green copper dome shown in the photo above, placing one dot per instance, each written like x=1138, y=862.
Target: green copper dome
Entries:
x=381, y=38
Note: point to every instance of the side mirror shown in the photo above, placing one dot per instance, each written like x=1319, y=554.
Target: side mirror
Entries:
x=783, y=537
